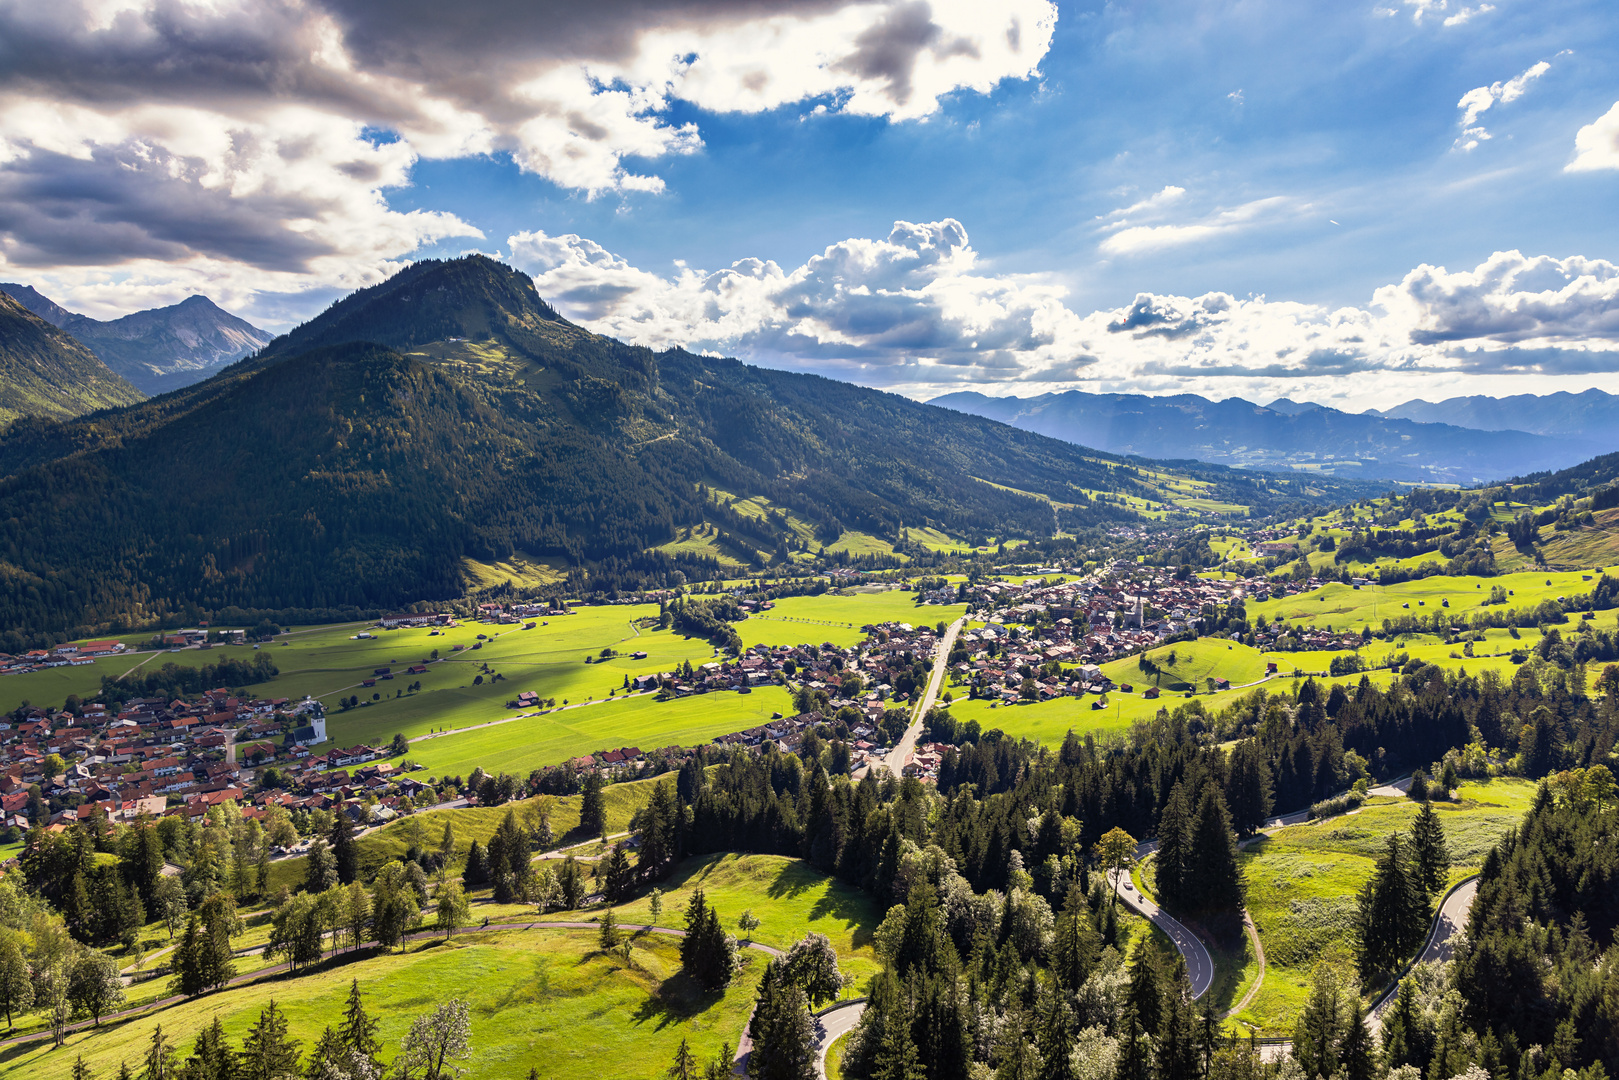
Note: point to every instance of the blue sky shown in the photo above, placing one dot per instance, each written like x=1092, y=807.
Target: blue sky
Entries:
x=1225, y=198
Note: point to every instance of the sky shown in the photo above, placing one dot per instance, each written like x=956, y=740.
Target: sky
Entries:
x=1353, y=203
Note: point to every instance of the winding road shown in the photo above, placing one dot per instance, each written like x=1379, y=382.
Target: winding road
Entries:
x=1199, y=964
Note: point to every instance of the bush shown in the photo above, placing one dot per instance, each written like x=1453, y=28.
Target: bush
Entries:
x=1333, y=807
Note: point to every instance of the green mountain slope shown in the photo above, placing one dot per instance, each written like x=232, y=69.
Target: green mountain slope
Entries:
x=44, y=372
x=449, y=414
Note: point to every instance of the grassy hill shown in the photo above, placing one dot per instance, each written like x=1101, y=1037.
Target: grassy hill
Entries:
x=1189, y=665
x=45, y=373
x=448, y=414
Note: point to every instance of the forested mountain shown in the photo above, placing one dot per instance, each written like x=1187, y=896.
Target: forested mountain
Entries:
x=44, y=372
x=449, y=413
x=158, y=350
x=1591, y=415
x=1283, y=434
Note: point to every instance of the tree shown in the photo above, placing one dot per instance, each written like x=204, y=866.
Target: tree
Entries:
x=618, y=876
x=399, y=747
x=268, y=1052
x=1117, y=851
x=81, y=1071
x=211, y=1055
x=747, y=922
x=355, y=913
x=685, y=1064
x=94, y=986
x=343, y=851
x=1392, y=911
x=1174, y=857
x=452, y=907
x=608, y=933
x=782, y=1032
x=320, y=867
x=435, y=1040
x=1319, y=1031
x=476, y=871
x=359, y=1031
x=446, y=844
x=297, y=931
x=169, y=904
x=1214, y=878
x=572, y=883
x=655, y=904
x=159, y=1060
x=1430, y=854
x=1075, y=945
x=16, y=989
x=592, y=809
x=393, y=905
x=812, y=964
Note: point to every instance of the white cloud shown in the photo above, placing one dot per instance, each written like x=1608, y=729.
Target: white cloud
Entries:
x=917, y=312
x=1596, y=145
x=241, y=138
x=1130, y=239
x=1478, y=101
x=1422, y=9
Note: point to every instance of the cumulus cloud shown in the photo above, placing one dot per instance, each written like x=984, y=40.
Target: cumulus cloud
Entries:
x=918, y=311
x=1127, y=237
x=1596, y=145
x=235, y=139
x=1478, y=101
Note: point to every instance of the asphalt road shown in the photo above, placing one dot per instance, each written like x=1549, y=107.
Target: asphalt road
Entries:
x=831, y=1026
x=895, y=761
x=1199, y=964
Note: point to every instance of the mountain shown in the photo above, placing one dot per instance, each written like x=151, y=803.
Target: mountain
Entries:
x=1286, y=434
x=44, y=372
x=1591, y=416
x=448, y=414
x=158, y=350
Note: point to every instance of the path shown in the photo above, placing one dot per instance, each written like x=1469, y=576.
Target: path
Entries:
x=1259, y=951
x=1199, y=964
x=895, y=761
x=1448, y=921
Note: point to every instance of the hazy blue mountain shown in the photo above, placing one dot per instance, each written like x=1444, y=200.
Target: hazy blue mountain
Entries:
x=158, y=350
x=1592, y=415
x=1285, y=434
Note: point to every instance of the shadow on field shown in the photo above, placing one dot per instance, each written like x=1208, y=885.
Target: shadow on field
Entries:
x=676, y=1000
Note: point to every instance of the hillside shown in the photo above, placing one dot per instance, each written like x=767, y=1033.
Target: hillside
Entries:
x=1284, y=434
x=44, y=372
x=158, y=350
x=448, y=413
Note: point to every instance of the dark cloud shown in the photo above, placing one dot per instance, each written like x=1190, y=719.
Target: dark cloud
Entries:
x=121, y=205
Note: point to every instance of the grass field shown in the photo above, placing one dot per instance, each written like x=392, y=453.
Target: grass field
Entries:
x=1345, y=608
x=797, y=620
x=1049, y=721
x=52, y=686
x=1195, y=662
x=788, y=896
x=1303, y=880
x=544, y=999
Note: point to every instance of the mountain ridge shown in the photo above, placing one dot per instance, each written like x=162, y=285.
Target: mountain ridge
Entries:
x=1241, y=433
x=45, y=373
x=158, y=349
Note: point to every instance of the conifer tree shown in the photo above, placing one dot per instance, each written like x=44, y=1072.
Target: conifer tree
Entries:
x=1056, y=1043
x=1173, y=860
x=358, y=1030
x=344, y=854
x=1213, y=875
x=685, y=1064
x=1430, y=854
x=618, y=876
x=592, y=809
x=159, y=1062
x=1357, y=1051
x=1076, y=944
x=782, y=1031
x=81, y=1071
x=1392, y=915
x=268, y=1052
x=211, y=1056
x=1145, y=996
x=1176, y=1054
x=476, y=872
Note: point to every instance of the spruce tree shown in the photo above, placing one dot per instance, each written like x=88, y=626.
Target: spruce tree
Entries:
x=1145, y=996
x=783, y=1033
x=1319, y=1030
x=1177, y=1035
x=358, y=1030
x=592, y=809
x=476, y=872
x=685, y=1064
x=160, y=1055
x=211, y=1055
x=1357, y=1051
x=1393, y=911
x=1076, y=945
x=268, y=1052
x=81, y=1071
x=1430, y=854
x=1214, y=877
x=1135, y=1049
x=1174, y=858
x=1056, y=1043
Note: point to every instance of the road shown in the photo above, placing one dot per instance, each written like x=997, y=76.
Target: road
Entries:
x=895, y=761
x=831, y=1026
x=1199, y=964
x=1448, y=921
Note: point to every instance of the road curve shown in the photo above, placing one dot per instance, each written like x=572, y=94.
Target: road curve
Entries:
x=832, y=1025
x=1199, y=964
x=1448, y=921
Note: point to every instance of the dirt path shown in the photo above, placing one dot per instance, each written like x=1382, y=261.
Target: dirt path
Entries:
x=1259, y=951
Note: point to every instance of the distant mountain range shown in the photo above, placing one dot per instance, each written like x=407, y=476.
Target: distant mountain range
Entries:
x=44, y=372
x=158, y=350
x=1592, y=415
x=1284, y=434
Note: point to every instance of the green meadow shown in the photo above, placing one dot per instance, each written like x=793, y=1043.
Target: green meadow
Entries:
x=1302, y=882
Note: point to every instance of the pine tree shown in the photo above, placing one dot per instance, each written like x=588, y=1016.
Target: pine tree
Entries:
x=1248, y=788
x=685, y=1064
x=1177, y=1036
x=1430, y=854
x=1076, y=944
x=81, y=1071
x=783, y=1033
x=268, y=1052
x=329, y=1058
x=897, y=1058
x=476, y=872
x=1174, y=858
x=1357, y=1051
x=1319, y=1029
x=619, y=876
x=1056, y=1043
x=1393, y=911
x=1145, y=996
x=159, y=1057
x=608, y=934
x=1135, y=1051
